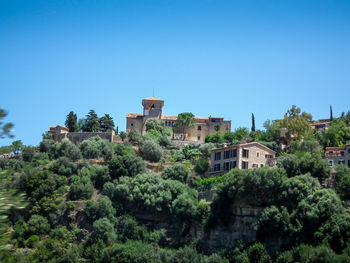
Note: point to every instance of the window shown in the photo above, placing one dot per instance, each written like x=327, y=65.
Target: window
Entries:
x=261, y=165
x=227, y=154
x=257, y=154
x=341, y=161
x=217, y=167
x=233, y=164
x=198, y=138
x=227, y=166
x=244, y=165
x=268, y=156
x=245, y=153
x=199, y=128
x=217, y=156
x=342, y=153
x=226, y=128
x=234, y=153
x=349, y=150
x=330, y=163
x=349, y=163
x=131, y=124
x=255, y=165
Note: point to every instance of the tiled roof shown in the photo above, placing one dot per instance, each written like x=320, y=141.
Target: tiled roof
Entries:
x=133, y=115
x=335, y=148
x=245, y=145
x=166, y=117
x=153, y=98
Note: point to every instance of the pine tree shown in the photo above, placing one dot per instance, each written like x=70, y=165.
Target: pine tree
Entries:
x=106, y=123
x=71, y=122
x=92, y=122
x=253, y=123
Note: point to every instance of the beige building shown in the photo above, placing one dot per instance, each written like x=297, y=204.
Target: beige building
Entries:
x=242, y=156
x=152, y=109
x=338, y=155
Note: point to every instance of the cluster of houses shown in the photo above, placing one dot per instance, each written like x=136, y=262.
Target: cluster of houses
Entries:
x=242, y=156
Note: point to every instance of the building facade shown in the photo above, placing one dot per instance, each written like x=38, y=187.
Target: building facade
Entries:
x=152, y=109
x=320, y=125
x=242, y=156
x=338, y=155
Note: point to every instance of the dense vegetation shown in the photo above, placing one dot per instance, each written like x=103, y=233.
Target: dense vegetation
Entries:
x=138, y=201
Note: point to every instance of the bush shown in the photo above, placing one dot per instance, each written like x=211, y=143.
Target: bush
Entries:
x=38, y=225
x=177, y=172
x=67, y=149
x=63, y=166
x=98, y=174
x=28, y=153
x=95, y=148
x=201, y=166
x=103, y=230
x=151, y=151
x=81, y=188
x=126, y=166
x=98, y=209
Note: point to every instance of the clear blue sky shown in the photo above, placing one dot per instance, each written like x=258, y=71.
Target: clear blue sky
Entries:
x=224, y=58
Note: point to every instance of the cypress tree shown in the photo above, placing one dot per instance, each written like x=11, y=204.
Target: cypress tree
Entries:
x=331, y=112
x=253, y=123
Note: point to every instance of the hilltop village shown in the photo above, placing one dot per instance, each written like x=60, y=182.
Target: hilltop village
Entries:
x=179, y=189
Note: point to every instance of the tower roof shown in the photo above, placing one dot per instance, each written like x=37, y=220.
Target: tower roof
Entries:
x=153, y=99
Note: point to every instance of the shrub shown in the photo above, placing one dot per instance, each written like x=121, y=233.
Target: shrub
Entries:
x=177, y=172
x=201, y=166
x=151, y=151
x=38, y=225
x=63, y=166
x=126, y=166
x=67, y=149
x=95, y=147
x=98, y=209
x=98, y=174
x=28, y=153
x=81, y=188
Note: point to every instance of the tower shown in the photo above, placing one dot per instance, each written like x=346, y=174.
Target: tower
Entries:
x=152, y=107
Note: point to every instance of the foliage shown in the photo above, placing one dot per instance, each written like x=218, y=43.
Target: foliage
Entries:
x=201, y=166
x=122, y=135
x=28, y=153
x=177, y=172
x=67, y=149
x=99, y=174
x=92, y=122
x=63, y=166
x=296, y=122
x=176, y=156
x=127, y=165
x=134, y=136
x=81, y=188
x=184, y=121
x=342, y=181
x=337, y=134
x=204, y=184
x=151, y=151
x=96, y=147
x=5, y=128
x=106, y=123
x=95, y=210
x=72, y=122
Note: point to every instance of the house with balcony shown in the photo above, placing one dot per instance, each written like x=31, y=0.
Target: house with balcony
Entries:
x=242, y=156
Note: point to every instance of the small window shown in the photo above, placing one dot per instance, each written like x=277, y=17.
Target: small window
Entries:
x=330, y=163
x=244, y=165
x=198, y=138
x=257, y=154
x=233, y=164
x=217, y=167
x=227, y=166
x=342, y=153
x=199, y=128
x=217, y=156
x=245, y=153
x=132, y=124
x=234, y=153
x=227, y=154
x=349, y=150
x=255, y=165
x=349, y=163
x=261, y=165
x=341, y=161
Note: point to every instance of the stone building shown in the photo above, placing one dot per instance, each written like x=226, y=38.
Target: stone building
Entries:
x=60, y=132
x=152, y=109
x=338, y=155
x=320, y=125
x=242, y=156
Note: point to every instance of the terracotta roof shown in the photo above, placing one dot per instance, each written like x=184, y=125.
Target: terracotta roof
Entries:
x=153, y=98
x=335, y=148
x=133, y=115
x=165, y=117
x=242, y=145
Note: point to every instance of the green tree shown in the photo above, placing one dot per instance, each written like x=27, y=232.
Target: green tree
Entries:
x=177, y=172
x=122, y=135
x=106, y=123
x=253, y=123
x=127, y=165
x=201, y=166
x=330, y=112
x=92, y=122
x=185, y=121
x=71, y=122
x=151, y=151
x=296, y=122
x=5, y=128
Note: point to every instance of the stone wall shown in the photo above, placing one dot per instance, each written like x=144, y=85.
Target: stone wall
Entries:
x=77, y=137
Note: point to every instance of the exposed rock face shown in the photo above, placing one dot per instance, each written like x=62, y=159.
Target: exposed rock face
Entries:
x=239, y=227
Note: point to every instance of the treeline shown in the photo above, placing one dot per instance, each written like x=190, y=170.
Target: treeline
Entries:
x=92, y=123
